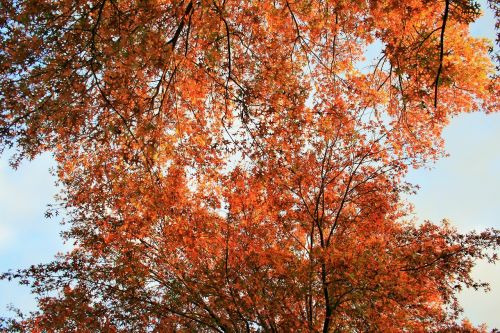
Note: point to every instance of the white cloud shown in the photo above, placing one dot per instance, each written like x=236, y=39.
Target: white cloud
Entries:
x=6, y=236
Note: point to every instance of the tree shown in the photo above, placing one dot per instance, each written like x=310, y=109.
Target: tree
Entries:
x=228, y=166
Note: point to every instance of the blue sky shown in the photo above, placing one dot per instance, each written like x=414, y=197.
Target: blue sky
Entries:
x=464, y=188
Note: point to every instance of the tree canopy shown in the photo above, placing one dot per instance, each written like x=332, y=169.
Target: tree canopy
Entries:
x=233, y=166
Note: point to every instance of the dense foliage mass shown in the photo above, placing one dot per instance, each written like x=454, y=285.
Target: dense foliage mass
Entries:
x=234, y=165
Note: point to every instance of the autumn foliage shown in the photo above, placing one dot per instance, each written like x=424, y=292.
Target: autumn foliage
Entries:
x=237, y=166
